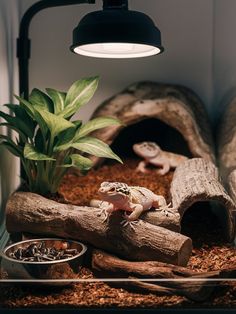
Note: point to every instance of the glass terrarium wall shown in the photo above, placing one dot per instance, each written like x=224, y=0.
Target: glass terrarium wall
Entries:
x=9, y=166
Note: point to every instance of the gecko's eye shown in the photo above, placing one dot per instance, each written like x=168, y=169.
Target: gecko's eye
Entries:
x=112, y=190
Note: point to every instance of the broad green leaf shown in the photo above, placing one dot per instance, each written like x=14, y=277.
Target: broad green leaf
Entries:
x=23, y=137
x=77, y=123
x=22, y=114
x=8, y=139
x=31, y=153
x=10, y=145
x=12, y=149
x=67, y=135
x=58, y=99
x=17, y=123
x=95, y=124
x=41, y=100
x=91, y=146
x=26, y=105
x=78, y=95
x=33, y=113
x=55, y=124
x=42, y=124
x=79, y=161
x=39, y=141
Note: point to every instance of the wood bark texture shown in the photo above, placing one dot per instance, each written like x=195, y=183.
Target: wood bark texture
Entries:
x=227, y=141
x=232, y=185
x=197, y=180
x=177, y=106
x=105, y=264
x=158, y=218
x=28, y=212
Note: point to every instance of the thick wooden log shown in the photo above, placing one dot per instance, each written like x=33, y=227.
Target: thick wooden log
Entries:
x=28, y=212
x=105, y=264
x=198, y=180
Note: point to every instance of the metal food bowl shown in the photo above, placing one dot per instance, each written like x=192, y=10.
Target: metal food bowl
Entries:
x=63, y=269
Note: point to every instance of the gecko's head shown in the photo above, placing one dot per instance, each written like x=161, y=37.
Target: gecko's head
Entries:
x=146, y=149
x=114, y=192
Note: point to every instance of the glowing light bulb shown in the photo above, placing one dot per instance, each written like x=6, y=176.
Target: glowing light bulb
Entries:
x=118, y=47
x=117, y=50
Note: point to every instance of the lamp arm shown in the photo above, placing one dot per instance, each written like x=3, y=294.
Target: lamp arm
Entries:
x=23, y=42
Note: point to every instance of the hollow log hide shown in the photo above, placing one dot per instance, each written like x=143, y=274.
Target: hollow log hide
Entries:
x=197, y=180
x=28, y=212
x=177, y=106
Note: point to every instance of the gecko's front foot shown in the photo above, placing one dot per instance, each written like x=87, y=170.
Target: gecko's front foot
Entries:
x=103, y=208
x=142, y=167
x=142, y=170
x=103, y=212
x=131, y=223
x=165, y=210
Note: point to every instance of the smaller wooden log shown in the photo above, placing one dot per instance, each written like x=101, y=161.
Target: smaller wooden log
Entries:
x=32, y=213
x=105, y=264
x=198, y=180
x=170, y=222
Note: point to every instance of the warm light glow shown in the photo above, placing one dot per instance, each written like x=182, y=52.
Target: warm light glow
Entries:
x=117, y=50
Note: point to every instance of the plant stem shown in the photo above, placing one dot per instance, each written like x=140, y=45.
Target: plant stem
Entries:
x=56, y=174
x=27, y=169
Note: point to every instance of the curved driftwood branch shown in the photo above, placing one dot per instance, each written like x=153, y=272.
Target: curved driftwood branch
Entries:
x=28, y=212
x=197, y=180
x=177, y=106
x=108, y=265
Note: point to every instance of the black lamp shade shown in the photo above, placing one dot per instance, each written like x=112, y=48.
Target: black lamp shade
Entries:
x=116, y=34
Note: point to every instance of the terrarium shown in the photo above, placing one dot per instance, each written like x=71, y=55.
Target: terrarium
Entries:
x=135, y=206
x=133, y=209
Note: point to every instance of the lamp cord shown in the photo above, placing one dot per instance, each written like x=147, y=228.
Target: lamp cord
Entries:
x=115, y=4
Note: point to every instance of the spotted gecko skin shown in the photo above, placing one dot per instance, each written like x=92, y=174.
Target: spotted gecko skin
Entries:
x=133, y=199
x=152, y=154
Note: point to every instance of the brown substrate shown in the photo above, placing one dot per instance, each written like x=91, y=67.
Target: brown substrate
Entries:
x=79, y=190
x=210, y=253
x=101, y=295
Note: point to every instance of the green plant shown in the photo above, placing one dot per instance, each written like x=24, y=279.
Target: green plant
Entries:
x=47, y=139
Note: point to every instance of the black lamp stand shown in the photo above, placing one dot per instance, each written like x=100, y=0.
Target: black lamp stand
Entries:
x=23, y=42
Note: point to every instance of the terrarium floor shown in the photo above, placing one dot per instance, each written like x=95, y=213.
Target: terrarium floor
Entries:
x=210, y=253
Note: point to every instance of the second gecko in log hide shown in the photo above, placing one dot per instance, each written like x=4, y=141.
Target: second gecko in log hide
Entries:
x=152, y=154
